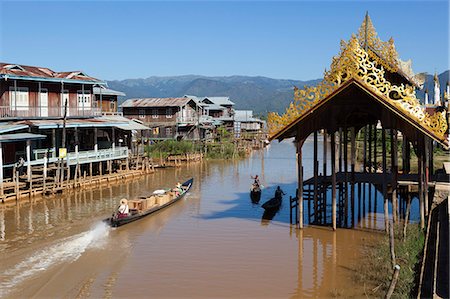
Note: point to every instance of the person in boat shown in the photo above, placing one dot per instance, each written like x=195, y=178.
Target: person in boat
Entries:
x=256, y=182
x=123, y=209
x=279, y=193
x=178, y=190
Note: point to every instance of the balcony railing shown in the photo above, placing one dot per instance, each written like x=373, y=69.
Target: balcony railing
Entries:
x=40, y=111
x=187, y=119
x=83, y=157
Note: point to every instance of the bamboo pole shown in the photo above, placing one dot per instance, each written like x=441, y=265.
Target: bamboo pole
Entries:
x=393, y=282
x=391, y=243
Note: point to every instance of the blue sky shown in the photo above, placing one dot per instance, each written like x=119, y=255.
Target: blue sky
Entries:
x=138, y=39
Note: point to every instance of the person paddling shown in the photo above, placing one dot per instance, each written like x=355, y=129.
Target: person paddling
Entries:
x=279, y=193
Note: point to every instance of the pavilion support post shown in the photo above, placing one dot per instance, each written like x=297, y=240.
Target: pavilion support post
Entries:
x=53, y=142
x=365, y=150
x=385, y=196
x=369, y=163
x=325, y=141
x=316, y=174
x=352, y=169
x=403, y=154
x=300, y=182
x=426, y=174
x=375, y=137
x=345, y=176
x=421, y=197
x=394, y=168
x=340, y=149
x=333, y=181
x=430, y=158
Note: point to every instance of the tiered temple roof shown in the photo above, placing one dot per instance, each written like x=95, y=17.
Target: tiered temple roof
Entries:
x=375, y=67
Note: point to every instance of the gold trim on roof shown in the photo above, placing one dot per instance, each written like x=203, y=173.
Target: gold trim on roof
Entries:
x=354, y=62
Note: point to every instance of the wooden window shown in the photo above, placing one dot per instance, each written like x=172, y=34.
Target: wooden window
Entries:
x=154, y=113
x=169, y=113
x=18, y=99
x=84, y=101
x=168, y=131
x=141, y=113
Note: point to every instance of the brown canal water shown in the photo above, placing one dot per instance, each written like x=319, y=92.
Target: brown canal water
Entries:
x=214, y=243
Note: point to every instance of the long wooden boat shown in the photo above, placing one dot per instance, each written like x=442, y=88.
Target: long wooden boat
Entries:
x=272, y=204
x=145, y=206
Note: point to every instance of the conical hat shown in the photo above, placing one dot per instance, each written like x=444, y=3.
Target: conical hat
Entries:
x=123, y=201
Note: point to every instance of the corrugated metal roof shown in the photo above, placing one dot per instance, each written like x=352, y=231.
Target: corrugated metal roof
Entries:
x=73, y=123
x=107, y=91
x=156, y=102
x=220, y=100
x=20, y=137
x=213, y=107
x=27, y=71
x=4, y=128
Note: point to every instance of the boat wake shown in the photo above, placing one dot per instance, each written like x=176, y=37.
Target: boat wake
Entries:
x=64, y=251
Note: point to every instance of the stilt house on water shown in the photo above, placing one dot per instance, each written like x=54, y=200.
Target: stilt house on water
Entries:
x=367, y=86
x=43, y=111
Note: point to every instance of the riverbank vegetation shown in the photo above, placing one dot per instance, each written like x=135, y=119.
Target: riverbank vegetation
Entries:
x=375, y=271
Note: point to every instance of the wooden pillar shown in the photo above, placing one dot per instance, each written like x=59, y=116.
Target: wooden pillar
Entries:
x=316, y=174
x=345, y=176
x=325, y=141
x=365, y=150
x=385, y=196
x=300, y=182
x=113, y=137
x=340, y=149
x=394, y=167
x=420, y=178
x=426, y=174
x=96, y=140
x=54, y=142
x=45, y=172
x=28, y=152
x=370, y=137
x=352, y=176
x=375, y=165
x=1, y=170
x=333, y=180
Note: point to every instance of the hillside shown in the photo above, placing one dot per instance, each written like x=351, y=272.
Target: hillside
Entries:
x=260, y=94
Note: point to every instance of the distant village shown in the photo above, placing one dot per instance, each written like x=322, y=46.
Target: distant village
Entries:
x=47, y=116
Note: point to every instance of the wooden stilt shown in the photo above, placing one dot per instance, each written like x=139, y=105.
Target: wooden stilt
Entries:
x=408, y=209
x=333, y=181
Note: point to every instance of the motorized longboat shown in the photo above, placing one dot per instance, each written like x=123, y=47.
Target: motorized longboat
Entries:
x=145, y=206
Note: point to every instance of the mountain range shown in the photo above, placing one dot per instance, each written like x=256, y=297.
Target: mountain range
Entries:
x=260, y=94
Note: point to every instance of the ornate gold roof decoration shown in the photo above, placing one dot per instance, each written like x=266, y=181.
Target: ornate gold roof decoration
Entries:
x=385, y=53
x=354, y=62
